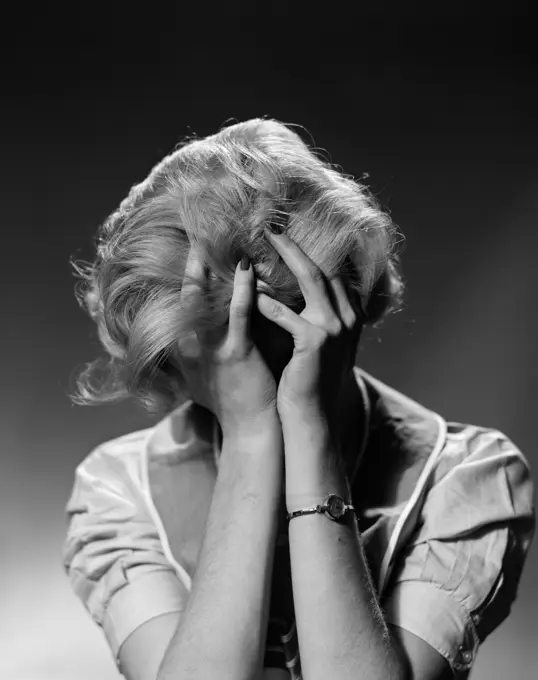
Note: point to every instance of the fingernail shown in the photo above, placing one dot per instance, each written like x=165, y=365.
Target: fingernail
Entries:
x=245, y=263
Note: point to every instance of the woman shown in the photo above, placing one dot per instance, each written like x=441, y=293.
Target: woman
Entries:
x=290, y=515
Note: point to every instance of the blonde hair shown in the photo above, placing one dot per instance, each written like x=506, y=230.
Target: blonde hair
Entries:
x=218, y=193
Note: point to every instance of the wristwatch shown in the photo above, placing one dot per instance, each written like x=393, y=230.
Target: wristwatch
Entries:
x=334, y=507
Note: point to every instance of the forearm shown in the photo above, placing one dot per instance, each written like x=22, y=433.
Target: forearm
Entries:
x=341, y=631
x=223, y=629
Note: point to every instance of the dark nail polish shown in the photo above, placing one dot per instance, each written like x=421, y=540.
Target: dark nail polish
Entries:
x=245, y=263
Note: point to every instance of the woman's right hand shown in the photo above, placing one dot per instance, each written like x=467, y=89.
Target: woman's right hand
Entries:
x=225, y=370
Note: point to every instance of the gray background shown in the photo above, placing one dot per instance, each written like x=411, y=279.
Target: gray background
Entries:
x=440, y=110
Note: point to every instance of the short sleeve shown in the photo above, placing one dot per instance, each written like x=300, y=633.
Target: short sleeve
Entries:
x=458, y=576
x=112, y=552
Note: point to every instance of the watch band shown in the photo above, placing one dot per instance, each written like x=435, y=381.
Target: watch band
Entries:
x=334, y=507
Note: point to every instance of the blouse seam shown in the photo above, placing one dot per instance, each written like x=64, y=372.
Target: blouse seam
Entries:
x=154, y=513
x=384, y=571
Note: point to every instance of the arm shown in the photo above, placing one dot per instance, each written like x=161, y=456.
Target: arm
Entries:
x=341, y=630
x=223, y=629
x=339, y=621
x=144, y=649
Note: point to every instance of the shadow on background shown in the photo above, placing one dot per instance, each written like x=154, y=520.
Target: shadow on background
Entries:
x=439, y=110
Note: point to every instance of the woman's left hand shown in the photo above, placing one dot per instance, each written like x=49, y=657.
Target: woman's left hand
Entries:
x=326, y=335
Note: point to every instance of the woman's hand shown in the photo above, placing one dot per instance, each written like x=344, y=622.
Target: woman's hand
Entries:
x=325, y=334
x=225, y=371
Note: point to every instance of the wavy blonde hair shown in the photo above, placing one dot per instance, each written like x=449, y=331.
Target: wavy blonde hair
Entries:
x=218, y=192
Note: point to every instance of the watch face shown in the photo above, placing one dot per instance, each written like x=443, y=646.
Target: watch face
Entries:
x=337, y=506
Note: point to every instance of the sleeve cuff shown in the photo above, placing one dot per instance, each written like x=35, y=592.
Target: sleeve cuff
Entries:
x=437, y=618
x=143, y=599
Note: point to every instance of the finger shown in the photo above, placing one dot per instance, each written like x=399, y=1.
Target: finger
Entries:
x=309, y=276
x=195, y=273
x=306, y=336
x=241, y=305
x=346, y=311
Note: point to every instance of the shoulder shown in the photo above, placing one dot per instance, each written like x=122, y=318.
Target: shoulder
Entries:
x=107, y=484
x=115, y=462
x=483, y=459
x=480, y=483
x=471, y=438
x=117, y=451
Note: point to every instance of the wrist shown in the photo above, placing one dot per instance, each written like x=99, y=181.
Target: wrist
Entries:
x=308, y=441
x=265, y=426
x=314, y=469
x=253, y=467
x=312, y=492
x=253, y=444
